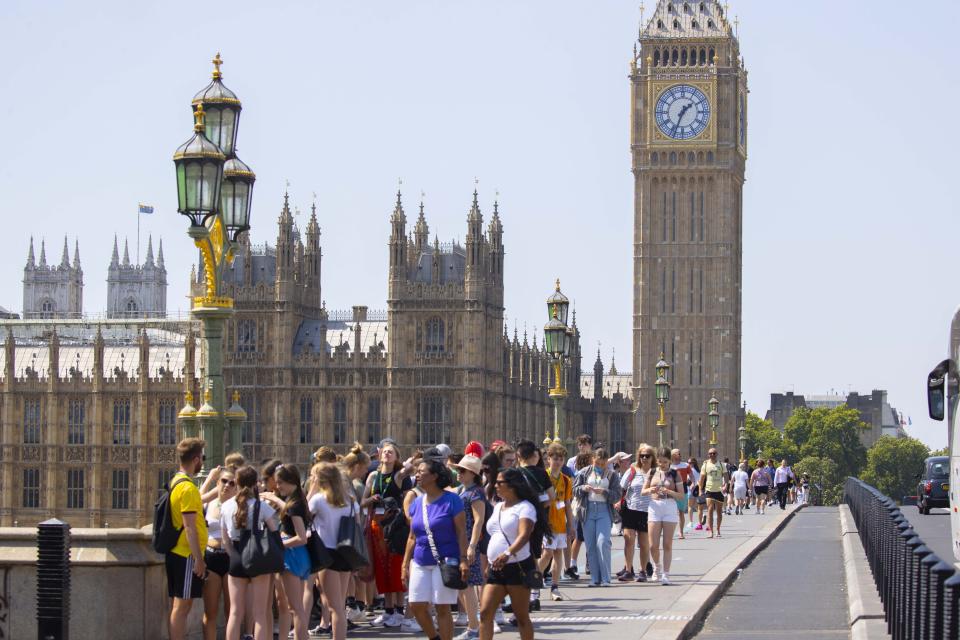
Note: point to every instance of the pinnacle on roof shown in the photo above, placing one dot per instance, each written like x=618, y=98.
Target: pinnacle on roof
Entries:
x=65, y=258
x=126, y=253
x=115, y=259
x=43, y=253
x=701, y=19
x=76, y=253
x=398, y=214
x=31, y=263
x=613, y=363
x=160, y=255
x=474, y=215
x=149, y=259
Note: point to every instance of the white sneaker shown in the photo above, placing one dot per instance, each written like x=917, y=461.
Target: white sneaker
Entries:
x=354, y=614
x=664, y=578
x=396, y=620
x=496, y=627
x=468, y=634
x=381, y=620
x=498, y=617
x=461, y=620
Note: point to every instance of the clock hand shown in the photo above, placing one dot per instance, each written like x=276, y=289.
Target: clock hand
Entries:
x=683, y=111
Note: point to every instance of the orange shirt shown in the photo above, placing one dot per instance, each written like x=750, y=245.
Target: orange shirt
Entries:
x=563, y=488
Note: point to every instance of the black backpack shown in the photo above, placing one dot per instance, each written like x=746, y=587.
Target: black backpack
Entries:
x=396, y=530
x=165, y=536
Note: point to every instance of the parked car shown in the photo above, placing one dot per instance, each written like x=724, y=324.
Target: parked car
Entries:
x=933, y=489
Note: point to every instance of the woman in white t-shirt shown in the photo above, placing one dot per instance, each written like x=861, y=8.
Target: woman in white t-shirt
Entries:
x=740, y=480
x=236, y=515
x=517, y=518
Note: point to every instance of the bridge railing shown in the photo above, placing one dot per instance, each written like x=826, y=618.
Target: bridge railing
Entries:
x=920, y=592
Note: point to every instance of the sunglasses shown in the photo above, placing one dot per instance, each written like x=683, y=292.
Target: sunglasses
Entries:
x=227, y=482
x=712, y=453
x=646, y=455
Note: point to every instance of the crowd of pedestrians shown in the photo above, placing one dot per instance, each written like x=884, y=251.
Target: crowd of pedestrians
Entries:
x=435, y=540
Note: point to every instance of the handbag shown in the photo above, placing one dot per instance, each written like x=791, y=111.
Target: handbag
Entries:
x=450, y=573
x=320, y=557
x=531, y=579
x=260, y=550
x=351, y=543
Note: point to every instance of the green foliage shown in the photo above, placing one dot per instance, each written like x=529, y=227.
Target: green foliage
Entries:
x=802, y=423
x=762, y=436
x=826, y=481
x=892, y=464
x=835, y=434
x=939, y=452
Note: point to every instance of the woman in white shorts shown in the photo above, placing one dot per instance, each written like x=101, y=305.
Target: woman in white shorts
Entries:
x=664, y=488
x=740, y=479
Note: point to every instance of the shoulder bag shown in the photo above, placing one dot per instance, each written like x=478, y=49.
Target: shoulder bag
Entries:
x=320, y=557
x=351, y=543
x=261, y=550
x=450, y=573
x=531, y=579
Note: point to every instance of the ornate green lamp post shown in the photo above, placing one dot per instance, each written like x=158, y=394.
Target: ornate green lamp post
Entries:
x=214, y=191
x=557, y=338
x=714, y=406
x=742, y=441
x=662, y=387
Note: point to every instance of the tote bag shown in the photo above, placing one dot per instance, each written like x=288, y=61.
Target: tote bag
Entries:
x=261, y=550
x=351, y=543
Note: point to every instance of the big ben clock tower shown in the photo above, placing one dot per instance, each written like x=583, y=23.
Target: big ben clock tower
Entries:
x=689, y=148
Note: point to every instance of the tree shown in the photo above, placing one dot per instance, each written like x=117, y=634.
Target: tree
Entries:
x=826, y=482
x=836, y=436
x=892, y=464
x=764, y=437
x=939, y=452
x=802, y=423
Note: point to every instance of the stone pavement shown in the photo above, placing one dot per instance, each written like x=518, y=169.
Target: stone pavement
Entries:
x=700, y=567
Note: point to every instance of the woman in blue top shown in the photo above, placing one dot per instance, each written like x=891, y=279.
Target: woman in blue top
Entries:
x=446, y=524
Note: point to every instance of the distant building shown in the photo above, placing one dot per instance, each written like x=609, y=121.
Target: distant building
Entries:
x=52, y=291
x=136, y=291
x=874, y=410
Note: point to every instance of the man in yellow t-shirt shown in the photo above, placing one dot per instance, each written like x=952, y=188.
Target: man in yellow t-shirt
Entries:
x=559, y=515
x=713, y=477
x=185, y=566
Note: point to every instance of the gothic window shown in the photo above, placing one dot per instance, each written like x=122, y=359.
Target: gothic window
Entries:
x=246, y=336
x=47, y=308
x=673, y=290
x=74, y=488
x=76, y=421
x=663, y=290
x=690, y=300
x=675, y=54
x=712, y=53
x=690, y=158
x=703, y=8
x=131, y=307
x=701, y=290
x=703, y=237
x=700, y=362
x=121, y=421
x=306, y=420
x=435, y=336
x=690, y=361
x=340, y=420
x=695, y=25
x=683, y=54
x=693, y=226
x=709, y=157
x=653, y=158
x=589, y=424
x=32, y=416
x=673, y=157
x=31, y=488
x=252, y=432
x=167, y=434
x=670, y=8
x=373, y=420
x=618, y=432
x=433, y=420
x=659, y=24
x=703, y=57
x=656, y=58
x=120, y=489
x=664, y=216
x=673, y=217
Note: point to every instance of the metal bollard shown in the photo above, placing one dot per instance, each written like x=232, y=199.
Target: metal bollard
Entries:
x=897, y=600
x=926, y=585
x=938, y=576
x=951, y=606
x=910, y=566
x=53, y=580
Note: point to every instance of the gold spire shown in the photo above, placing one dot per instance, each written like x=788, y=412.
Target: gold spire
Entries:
x=558, y=284
x=198, y=116
x=217, y=61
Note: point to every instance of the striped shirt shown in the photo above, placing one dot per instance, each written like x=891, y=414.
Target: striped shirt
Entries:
x=632, y=483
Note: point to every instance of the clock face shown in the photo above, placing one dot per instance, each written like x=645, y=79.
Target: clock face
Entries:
x=682, y=112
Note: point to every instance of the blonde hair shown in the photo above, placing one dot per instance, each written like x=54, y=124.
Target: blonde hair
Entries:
x=234, y=461
x=330, y=483
x=356, y=456
x=325, y=454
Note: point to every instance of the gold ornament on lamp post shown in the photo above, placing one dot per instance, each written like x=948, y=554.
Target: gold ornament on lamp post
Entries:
x=558, y=338
x=662, y=387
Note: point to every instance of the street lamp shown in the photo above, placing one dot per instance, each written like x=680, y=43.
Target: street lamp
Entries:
x=714, y=405
x=742, y=441
x=557, y=338
x=214, y=190
x=662, y=387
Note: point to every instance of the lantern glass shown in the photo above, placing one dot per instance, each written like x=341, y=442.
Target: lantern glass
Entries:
x=198, y=187
x=236, y=206
x=662, y=388
x=220, y=126
x=555, y=337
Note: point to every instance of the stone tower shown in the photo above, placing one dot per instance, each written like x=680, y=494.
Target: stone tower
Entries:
x=688, y=146
x=53, y=291
x=445, y=320
x=136, y=291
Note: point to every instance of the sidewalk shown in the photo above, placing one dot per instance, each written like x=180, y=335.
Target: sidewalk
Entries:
x=632, y=610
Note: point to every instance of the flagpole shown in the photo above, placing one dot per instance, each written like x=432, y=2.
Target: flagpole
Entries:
x=138, y=234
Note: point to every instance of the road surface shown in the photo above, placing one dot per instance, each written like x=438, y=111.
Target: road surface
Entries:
x=933, y=529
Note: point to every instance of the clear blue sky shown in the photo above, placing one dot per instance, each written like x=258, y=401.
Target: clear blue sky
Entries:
x=850, y=204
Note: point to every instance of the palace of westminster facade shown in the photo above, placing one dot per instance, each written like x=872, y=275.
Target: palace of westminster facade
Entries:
x=88, y=410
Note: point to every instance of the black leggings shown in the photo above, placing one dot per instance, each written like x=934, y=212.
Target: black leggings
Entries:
x=782, y=494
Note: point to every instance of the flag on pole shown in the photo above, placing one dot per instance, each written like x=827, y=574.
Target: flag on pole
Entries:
x=145, y=208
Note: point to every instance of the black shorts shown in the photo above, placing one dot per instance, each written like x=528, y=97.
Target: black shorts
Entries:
x=760, y=490
x=339, y=564
x=218, y=561
x=636, y=520
x=181, y=581
x=715, y=495
x=511, y=574
x=579, y=532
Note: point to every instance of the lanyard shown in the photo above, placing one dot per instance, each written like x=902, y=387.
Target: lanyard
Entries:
x=380, y=483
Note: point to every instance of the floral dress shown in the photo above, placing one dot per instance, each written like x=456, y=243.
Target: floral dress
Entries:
x=469, y=496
